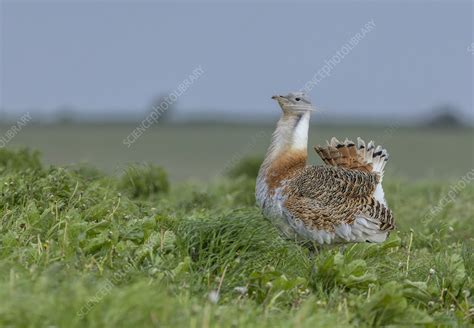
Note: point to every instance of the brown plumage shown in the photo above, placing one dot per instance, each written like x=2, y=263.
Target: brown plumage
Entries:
x=284, y=166
x=340, y=196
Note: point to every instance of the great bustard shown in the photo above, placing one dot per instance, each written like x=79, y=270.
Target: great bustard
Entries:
x=342, y=201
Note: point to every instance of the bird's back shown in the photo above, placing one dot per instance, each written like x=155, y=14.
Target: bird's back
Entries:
x=341, y=201
x=334, y=204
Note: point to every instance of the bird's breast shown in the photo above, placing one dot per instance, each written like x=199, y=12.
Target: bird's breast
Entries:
x=283, y=167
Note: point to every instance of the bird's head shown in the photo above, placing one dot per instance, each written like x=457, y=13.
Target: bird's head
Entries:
x=294, y=102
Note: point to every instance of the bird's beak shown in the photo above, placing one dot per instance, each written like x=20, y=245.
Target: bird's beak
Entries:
x=277, y=96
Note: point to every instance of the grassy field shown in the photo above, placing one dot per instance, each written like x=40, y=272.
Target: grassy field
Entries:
x=80, y=248
x=202, y=151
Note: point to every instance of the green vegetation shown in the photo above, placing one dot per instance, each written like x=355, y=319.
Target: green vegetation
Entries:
x=81, y=248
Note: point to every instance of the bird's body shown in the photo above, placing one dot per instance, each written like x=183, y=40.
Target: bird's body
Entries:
x=339, y=202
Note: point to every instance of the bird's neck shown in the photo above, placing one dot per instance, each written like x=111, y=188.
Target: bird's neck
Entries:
x=289, y=146
x=291, y=135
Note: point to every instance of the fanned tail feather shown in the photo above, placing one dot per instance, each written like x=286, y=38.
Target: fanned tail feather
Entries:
x=347, y=154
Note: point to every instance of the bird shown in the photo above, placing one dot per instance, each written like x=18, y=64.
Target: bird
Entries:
x=341, y=201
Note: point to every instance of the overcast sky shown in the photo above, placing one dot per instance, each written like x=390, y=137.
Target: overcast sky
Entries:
x=97, y=55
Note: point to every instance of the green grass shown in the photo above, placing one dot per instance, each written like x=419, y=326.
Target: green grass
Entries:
x=81, y=248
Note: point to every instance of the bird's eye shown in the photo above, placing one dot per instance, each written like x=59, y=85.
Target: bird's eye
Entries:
x=297, y=99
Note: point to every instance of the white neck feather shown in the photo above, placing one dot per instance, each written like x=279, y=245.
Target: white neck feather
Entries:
x=291, y=134
x=300, y=133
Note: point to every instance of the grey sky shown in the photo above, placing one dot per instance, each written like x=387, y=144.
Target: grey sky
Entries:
x=98, y=55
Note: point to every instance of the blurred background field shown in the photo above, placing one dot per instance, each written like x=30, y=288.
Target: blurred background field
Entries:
x=202, y=151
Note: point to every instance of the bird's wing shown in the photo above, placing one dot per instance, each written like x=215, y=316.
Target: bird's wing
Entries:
x=328, y=182
x=325, y=198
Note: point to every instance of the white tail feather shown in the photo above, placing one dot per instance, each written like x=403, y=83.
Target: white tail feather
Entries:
x=378, y=156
